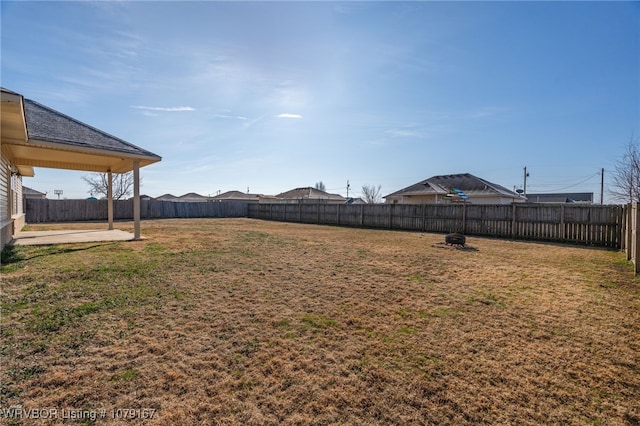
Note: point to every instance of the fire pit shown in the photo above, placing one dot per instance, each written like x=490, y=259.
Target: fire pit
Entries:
x=455, y=239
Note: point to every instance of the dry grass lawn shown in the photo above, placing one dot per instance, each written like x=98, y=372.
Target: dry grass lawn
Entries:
x=238, y=321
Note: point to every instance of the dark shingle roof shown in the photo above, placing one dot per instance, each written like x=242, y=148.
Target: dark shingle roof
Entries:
x=46, y=124
x=236, y=195
x=166, y=197
x=465, y=182
x=192, y=196
x=309, y=193
x=30, y=191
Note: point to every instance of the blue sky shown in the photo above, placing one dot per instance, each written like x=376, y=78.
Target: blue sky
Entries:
x=276, y=95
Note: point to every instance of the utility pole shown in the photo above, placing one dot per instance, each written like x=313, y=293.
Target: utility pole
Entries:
x=526, y=175
x=602, y=186
x=348, y=186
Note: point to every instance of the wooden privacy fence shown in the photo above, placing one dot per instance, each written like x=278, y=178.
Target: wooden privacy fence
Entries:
x=631, y=235
x=610, y=226
x=44, y=210
x=593, y=225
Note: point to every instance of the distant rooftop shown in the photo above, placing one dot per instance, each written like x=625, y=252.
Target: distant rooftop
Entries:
x=309, y=193
x=564, y=197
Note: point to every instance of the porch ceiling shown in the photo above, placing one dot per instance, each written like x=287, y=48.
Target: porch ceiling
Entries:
x=55, y=156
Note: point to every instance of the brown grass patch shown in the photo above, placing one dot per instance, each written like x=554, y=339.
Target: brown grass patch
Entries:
x=250, y=322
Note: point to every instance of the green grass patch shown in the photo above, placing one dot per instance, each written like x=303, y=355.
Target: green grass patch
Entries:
x=126, y=376
x=43, y=322
x=317, y=322
x=407, y=330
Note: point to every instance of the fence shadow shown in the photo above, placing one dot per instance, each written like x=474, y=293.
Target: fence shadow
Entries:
x=12, y=254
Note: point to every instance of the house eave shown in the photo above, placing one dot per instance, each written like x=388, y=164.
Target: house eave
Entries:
x=41, y=153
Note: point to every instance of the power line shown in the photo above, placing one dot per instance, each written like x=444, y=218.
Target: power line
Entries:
x=576, y=184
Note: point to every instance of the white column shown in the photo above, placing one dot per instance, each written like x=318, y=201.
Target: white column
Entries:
x=136, y=200
x=110, y=199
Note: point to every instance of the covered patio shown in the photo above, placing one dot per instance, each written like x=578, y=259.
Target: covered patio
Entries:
x=34, y=135
x=41, y=238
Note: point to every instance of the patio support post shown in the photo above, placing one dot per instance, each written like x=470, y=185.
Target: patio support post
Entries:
x=136, y=200
x=110, y=199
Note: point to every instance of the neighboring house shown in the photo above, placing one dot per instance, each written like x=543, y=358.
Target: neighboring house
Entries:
x=237, y=196
x=166, y=197
x=355, y=201
x=34, y=135
x=192, y=197
x=306, y=195
x=454, y=188
x=568, y=197
x=32, y=193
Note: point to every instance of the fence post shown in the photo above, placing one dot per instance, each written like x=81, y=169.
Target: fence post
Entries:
x=513, y=220
x=424, y=217
x=391, y=216
x=300, y=212
x=361, y=215
x=318, y=211
x=338, y=214
x=622, y=229
x=630, y=231
x=562, y=233
x=636, y=252
x=464, y=217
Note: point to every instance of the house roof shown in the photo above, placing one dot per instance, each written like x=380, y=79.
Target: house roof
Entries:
x=29, y=191
x=166, y=197
x=236, y=195
x=309, y=193
x=192, y=196
x=469, y=184
x=565, y=197
x=47, y=124
x=34, y=135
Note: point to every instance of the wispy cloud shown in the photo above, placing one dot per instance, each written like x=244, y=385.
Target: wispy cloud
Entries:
x=237, y=117
x=408, y=130
x=288, y=115
x=485, y=112
x=164, y=109
x=403, y=133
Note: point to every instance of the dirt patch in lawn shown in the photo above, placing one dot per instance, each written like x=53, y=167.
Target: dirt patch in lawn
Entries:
x=238, y=321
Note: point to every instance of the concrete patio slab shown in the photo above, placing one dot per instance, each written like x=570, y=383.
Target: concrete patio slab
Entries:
x=34, y=238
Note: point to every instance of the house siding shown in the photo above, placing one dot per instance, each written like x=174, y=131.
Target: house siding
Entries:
x=6, y=224
x=12, y=215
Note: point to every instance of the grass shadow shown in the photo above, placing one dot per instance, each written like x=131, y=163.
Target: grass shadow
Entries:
x=14, y=254
x=454, y=247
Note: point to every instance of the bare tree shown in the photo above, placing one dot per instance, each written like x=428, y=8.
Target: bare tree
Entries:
x=371, y=193
x=320, y=186
x=626, y=175
x=99, y=182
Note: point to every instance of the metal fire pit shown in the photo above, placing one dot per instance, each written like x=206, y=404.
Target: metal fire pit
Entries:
x=455, y=239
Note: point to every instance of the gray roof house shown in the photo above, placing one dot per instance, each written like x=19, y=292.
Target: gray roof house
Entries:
x=32, y=193
x=34, y=135
x=237, y=196
x=166, y=197
x=463, y=187
x=192, y=197
x=307, y=195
